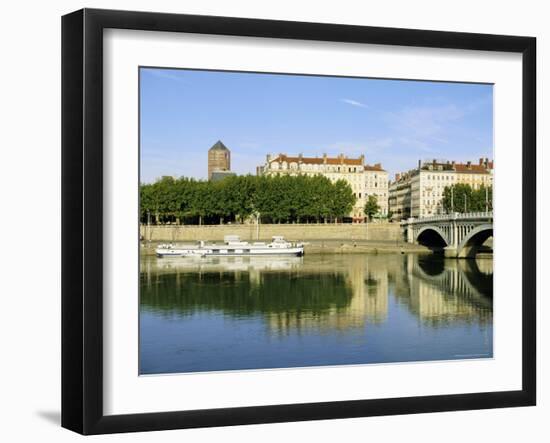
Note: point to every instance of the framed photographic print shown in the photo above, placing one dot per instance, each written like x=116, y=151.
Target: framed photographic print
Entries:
x=269, y=221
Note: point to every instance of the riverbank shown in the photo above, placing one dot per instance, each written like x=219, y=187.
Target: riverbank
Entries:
x=293, y=232
x=339, y=246
x=341, y=238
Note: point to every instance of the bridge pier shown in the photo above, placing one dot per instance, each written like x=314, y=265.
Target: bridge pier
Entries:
x=410, y=231
x=451, y=252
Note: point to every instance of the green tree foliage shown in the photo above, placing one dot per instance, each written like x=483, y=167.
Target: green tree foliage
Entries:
x=462, y=198
x=342, y=199
x=371, y=206
x=279, y=199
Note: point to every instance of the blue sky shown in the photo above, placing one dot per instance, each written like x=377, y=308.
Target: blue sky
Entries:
x=393, y=122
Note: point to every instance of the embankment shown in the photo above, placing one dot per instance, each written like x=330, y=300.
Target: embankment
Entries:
x=294, y=232
x=318, y=239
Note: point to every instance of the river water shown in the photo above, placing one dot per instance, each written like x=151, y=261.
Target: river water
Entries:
x=215, y=314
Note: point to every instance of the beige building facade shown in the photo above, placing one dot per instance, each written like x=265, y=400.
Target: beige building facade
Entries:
x=419, y=192
x=399, y=197
x=363, y=179
x=376, y=183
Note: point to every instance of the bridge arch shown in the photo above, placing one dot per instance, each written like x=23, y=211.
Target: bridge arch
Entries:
x=474, y=239
x=432, y=236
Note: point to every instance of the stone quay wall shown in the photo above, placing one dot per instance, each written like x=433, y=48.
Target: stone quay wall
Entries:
x=292, y=232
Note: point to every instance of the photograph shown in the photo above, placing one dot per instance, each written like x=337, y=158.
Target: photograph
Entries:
x=291, y=220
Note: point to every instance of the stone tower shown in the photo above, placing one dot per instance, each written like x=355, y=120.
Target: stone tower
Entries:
x=219, y=159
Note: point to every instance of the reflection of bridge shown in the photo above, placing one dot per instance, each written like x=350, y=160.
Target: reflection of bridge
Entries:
x=460, y=234
x=449, y=290
x=463, y=278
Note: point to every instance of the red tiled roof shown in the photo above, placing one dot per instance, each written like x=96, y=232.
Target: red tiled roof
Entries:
x=374, y=168
x=319, y=160
x=472, y=169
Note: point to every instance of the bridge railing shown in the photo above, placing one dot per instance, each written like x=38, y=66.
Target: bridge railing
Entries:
x=447, y=217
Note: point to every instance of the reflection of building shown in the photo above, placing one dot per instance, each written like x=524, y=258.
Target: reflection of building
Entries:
x=325, y=294
x=368, y=282
x=363, y=179
x=419, y=192
x=219, y=161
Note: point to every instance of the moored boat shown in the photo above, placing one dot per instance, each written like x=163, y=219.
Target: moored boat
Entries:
x=232, y=246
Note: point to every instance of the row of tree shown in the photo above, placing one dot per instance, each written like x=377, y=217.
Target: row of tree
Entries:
x=463, y=198
x=281, y=199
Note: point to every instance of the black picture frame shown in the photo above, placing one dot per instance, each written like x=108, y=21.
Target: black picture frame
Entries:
x=82, y=215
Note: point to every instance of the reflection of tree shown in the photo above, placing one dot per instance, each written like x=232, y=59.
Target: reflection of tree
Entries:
x=376, y=300
x=235, y=295
x=323, y=293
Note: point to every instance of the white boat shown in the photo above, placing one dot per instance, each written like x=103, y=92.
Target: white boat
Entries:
x=232, y=247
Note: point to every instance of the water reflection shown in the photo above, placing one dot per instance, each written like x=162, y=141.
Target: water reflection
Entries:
x=445, y=291
x=334, y=292
x=379, y=297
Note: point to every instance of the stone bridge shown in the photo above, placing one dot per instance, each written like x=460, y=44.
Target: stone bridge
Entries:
x=460, y=235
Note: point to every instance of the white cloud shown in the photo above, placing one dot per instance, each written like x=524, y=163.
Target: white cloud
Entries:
x=166, y=74
x=349, y=101
x=426, y=121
